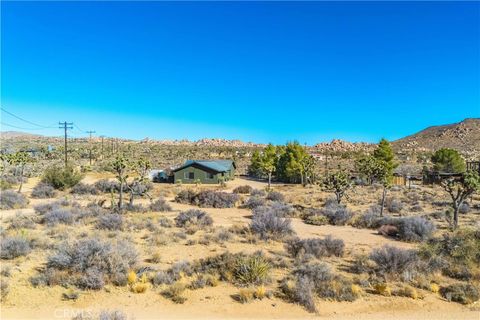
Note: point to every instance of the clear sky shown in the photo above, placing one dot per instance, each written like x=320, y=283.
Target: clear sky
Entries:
x=264, y=72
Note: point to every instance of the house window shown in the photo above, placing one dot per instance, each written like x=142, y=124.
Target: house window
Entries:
x=210, y=175
x=189, y=175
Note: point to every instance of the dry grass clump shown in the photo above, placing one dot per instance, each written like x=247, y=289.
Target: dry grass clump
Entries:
x=275, y=196
x=10, y=199
x=175, y=293
x=318, y=248
x=336, y=214
x=110, y=222
x=208, y=198
x=269, y=226
x=21, y=221
x=392, y=262
x=254, y=202
x=4, y=289
x=107, y=186
x=84, y=189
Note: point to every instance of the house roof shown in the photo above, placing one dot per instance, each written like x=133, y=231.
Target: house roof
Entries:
x=215, y=165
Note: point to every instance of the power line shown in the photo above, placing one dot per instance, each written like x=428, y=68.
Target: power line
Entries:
x=24, y=120
x=65, y=125
x=22, y=128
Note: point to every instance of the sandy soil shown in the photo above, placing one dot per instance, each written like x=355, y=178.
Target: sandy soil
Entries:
x=26, y=302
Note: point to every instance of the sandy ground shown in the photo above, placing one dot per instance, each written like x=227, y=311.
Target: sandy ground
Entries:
x=26, y=302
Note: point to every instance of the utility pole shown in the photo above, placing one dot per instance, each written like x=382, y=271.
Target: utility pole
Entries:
x=90, y=144
x=65, y=126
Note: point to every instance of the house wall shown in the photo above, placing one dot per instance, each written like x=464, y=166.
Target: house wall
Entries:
x=198, y=174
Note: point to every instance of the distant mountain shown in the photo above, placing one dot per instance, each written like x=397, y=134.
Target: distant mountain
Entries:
x=17, y=134
x=463, y=136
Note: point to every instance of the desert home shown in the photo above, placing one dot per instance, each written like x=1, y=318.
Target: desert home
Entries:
x=205, y=171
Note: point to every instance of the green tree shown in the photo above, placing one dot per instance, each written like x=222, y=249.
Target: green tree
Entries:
x=292, y=163
x=386, y=165
x=460, y=189
x=255, y=167
x=448, y=160
x=337, y=182
x=268, y=162
x=61, y=177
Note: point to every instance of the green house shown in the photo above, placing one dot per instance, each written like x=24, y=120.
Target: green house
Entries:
x=205, y=171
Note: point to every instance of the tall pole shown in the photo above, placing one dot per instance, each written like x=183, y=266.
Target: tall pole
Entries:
x=90, y=144
x=65, y=126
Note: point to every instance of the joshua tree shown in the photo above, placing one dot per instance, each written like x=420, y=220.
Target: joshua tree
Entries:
x=337, y=182
x=20, y=160
x=120, y=166
x=460, y=189
x=141, y=167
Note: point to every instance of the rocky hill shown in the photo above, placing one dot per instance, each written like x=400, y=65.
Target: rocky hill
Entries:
x=463, y=136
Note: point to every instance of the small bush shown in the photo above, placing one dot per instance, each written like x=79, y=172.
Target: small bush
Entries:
x=163, y=277
x=82, y=189
x=61, y=178
x=212, y=199
x=112, y=315
x=269, y=226
x=464, y=208
x=92, y=279
x=175, y=293
x=13, y=247
x=107, y=186
x=275, y=196
x=160, y=205
x=10, y=199
x=463, y=293
x=243, y=189
x=254, y=202
x=316, y=220
x=110, y=222
x=21, y=221
x=258, y=193
x=371, y=219
x=193, y=217
x=278, y=208
x=165, y=222
x=394, y=261
x=252, y=270
x=317, y=247
x=415, y=229
x=43, y=190
x=60, y=215
x=337, y=214
x=394, y=205
x=185, y=196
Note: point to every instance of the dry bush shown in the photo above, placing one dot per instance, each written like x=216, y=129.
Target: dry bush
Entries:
x=13, y=247
x=10, y=199
x=43, y=191
x=21, y=221
x=193, y=217
x=254, y=202
x=393, y=262
x=463, y=293
x=317, y=247
x=160, y=205
x=4, y=289
x=107, y=186
x=83, y=189
x=275, y=196
x=246, y=189
x=270, y=226
x=110, y=222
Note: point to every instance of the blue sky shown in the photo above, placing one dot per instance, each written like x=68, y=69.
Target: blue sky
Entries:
x=265, y=72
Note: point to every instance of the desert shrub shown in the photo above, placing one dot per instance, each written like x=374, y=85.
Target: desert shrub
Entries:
x=337, y=214
x=83, y=188
x=464, y=208
x=193, y=217
x=254, y=202
x=175, y=293
x=317, y=247
x=414, y=228
x=185, y=196
x=110, y=222
x=63, y=215
x=243, y=189
x=393, y=261
x=94, y=260
x=312, y=279
x=13, y=247
x=275, y=196
x=10, y=199
x=258, y=193
x=43, y=190
x=416, y=208
x=280, y=209
x=163, y=277
x=213, y=199
x=316, y=220
x=394, y=205
x=5, y=270
x=160, y=205
x=107, y=186
x=112, y=315
x=371, y=219
x=61, y=178
x=463, y=293
x=21, y=221
x=270, y=226
x=456, y=254
x=136, y=207
x=165, y=222
x=4, y=289
x=251, y=270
